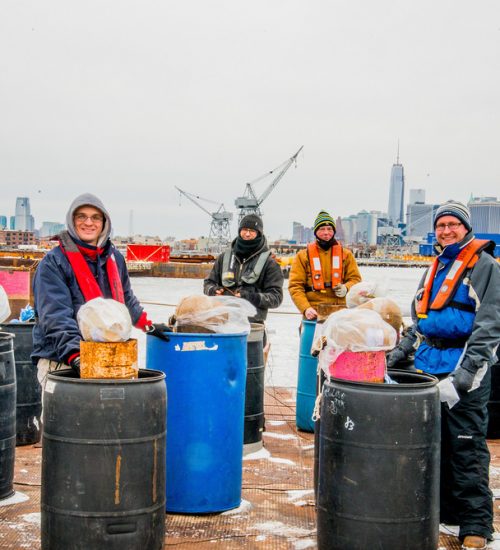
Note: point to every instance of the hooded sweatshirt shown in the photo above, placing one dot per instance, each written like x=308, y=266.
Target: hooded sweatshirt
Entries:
x=58, y=297
x=87, y=199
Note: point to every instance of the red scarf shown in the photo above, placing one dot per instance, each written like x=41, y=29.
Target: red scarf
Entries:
x=84, y=277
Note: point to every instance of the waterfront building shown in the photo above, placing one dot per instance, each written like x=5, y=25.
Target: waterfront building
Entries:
x=366, y=228
x=16, y=238
x=419, y=216
x=485, y=214
x=24, y=221
x=339, y=231
x=302, y=234
x=50, y=229
x=350, y=227
x=417, y=196
x=396, y=194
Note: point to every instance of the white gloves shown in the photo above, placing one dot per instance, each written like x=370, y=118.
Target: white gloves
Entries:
x=340, y=290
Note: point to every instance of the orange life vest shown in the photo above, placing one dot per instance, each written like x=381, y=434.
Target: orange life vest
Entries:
x=315, y=265
x=466, y=259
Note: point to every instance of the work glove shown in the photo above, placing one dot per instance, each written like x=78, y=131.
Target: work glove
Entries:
x=158, y=330
x=251, y=295
x=75, y=364
x=463, y=377
x=340, y=290
x=394, y=357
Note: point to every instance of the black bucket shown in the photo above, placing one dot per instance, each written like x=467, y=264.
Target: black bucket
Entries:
x=103, y=463
x=7, y=414
x=494, y=403
x=379, y=464
x=254, y=390
x=29, y=391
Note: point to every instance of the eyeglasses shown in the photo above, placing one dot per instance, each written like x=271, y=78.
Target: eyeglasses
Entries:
x=95, y=218
x=248, y=230
x=451, y=226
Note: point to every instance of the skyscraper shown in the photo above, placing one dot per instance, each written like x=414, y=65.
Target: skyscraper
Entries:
x=417, y=196
x=485, y=214
x=420, y=219
x=395, y=211
x=24, y=220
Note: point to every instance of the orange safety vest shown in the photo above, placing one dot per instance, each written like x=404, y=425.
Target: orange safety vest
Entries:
x=315, y=265
x=466, y=259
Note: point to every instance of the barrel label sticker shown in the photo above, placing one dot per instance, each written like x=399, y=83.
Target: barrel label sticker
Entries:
x=50, y=386
x=196, y=346
x=112, y=393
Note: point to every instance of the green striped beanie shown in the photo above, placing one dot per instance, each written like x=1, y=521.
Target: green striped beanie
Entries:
x=323, y=218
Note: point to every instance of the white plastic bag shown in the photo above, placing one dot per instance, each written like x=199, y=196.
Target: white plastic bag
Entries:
x=104, y=320
x=220, y=314
x=362, y=292
x=354, y=330
x=4, y=305
x=387, y=309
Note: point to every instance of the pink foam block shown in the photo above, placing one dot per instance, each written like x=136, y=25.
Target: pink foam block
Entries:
x=359, y=366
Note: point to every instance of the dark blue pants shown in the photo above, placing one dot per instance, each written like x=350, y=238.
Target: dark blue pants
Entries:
x=466, y=499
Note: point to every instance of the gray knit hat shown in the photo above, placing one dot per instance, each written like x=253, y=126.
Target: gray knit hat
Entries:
x=454, y=208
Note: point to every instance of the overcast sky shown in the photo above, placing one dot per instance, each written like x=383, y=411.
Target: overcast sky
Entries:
x=127, y=99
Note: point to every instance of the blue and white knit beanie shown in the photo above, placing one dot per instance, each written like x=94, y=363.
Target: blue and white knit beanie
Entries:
x=454, y=208
x=323, y=218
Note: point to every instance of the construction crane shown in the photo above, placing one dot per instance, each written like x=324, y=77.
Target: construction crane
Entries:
x=249, y=203
x=220, y=233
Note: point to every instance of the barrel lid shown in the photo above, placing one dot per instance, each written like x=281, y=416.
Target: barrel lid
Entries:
x=404, y=379
x=68, y=375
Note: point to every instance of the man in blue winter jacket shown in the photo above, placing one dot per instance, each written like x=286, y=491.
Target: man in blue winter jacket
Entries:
x=456, y=333
x=84, y=266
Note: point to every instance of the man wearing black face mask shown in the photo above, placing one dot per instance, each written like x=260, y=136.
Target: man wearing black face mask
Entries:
x=247, y=270
x=324, y=272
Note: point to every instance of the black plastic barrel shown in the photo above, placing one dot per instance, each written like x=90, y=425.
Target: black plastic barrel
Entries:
x=7, y=414
x=379, y=464
x=29, y=391
x=254, y=390
x=103, y=463
x=494, y=403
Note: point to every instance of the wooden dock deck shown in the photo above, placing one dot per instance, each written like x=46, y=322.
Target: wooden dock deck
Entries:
x=277, y=510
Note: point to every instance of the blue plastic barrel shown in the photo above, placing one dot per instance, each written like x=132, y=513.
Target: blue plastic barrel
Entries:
x=205, y=377
x=306, y=384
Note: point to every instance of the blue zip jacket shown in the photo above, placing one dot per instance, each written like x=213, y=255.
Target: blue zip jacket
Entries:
x=58, y=298
x=480, y=288
x=449, y=322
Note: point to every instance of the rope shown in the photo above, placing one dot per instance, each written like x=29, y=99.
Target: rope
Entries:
x=175, y=305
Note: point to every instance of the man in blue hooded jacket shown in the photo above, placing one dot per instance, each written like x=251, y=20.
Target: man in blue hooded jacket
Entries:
x=84, y=266
x=456, y=334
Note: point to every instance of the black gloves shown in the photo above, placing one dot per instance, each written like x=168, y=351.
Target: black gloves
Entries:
x=75, y=364
x=463, y=376
x=394, y=357
x=251, y=295
x=158, y=330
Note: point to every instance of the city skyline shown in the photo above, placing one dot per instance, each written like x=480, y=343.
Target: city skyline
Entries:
x=362, y=226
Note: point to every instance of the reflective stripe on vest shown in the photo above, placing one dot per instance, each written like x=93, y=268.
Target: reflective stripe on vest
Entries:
x=228, y=271
x=466, y=259
x=315, y=265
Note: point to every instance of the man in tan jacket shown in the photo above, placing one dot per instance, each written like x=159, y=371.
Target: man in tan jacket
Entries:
x=323, y=272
